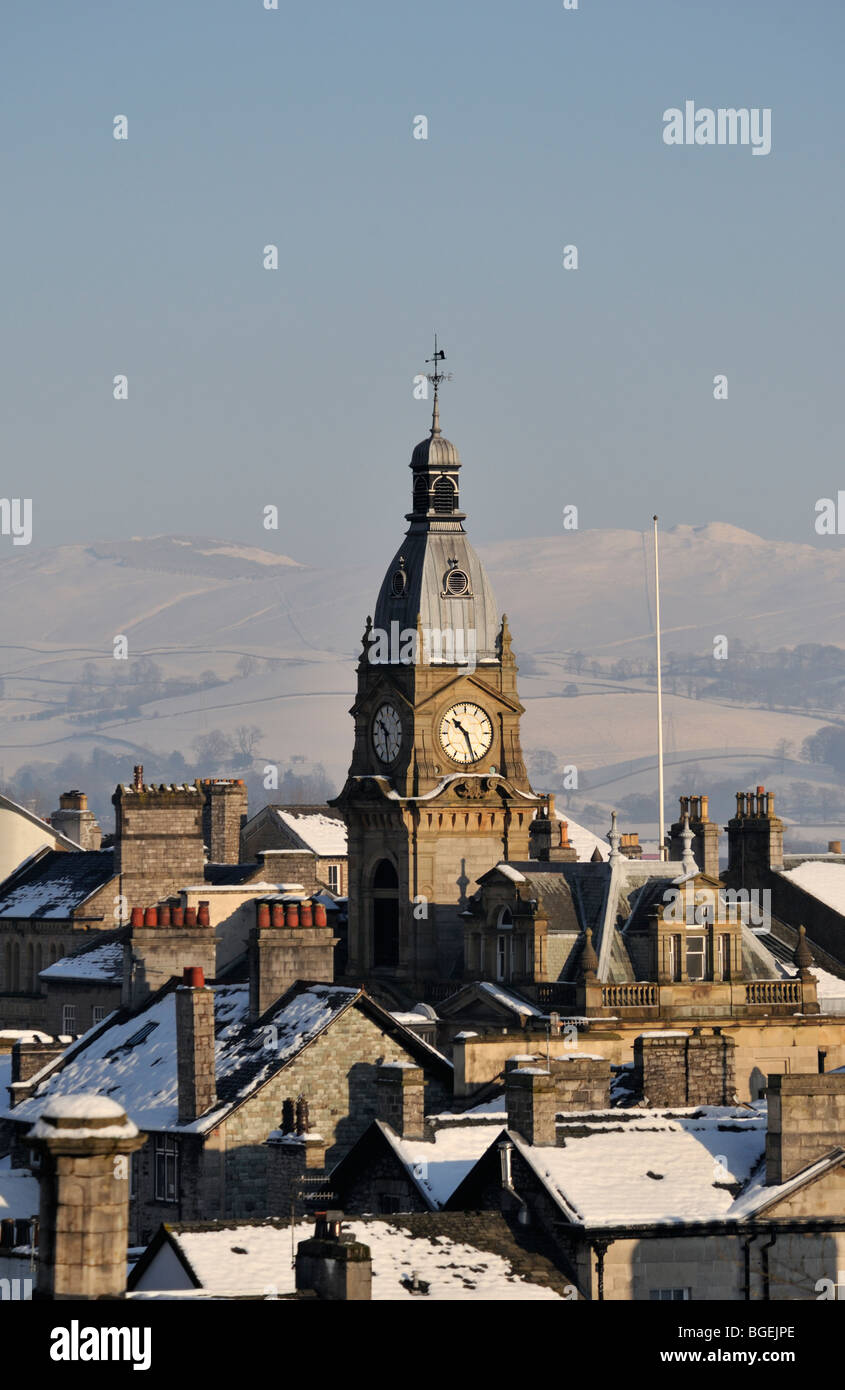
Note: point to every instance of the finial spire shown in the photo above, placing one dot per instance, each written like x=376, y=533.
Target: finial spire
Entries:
x=615, y=840
x=688, y=863
x=436, y=377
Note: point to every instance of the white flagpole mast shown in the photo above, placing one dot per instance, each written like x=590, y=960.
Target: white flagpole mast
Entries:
x=661, y=824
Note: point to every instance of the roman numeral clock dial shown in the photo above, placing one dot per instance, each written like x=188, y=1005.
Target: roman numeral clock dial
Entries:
x=387, y=733
x=466, y=733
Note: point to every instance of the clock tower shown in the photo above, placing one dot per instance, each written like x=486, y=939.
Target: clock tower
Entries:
x=437, y=791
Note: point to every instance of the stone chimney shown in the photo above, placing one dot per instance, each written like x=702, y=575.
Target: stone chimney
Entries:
x=630, y=844
x=224, y=812
x=296, y=1162
x=334, y=1267
x=806, y=1121
x=75, y=820
x=195, y=1064
x=548, y=837
x=85, y=1144
x=158, y=846
x=581, y=1082
x=400, y=1102
x=291, y=941
x=676, y=1068
x=705, y=835
x=161, y=939
x=755, y=838
x=531, y=1099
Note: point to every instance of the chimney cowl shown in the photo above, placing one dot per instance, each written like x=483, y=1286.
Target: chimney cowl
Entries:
x=193, y=977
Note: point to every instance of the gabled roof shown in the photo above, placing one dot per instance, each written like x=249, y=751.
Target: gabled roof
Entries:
x=99, y=961
x=434, y=1167
x=493, y=997
x=132, y=1059
x=461, y=1256
x=644, y=1168
x=7, y=804
x=322, y=833
x=56, y=883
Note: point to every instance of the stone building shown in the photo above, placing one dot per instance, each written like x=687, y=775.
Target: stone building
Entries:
x=714, y=1204
x=23, y=835
x=231, y=1060
x=306, y=844
x=437, y=791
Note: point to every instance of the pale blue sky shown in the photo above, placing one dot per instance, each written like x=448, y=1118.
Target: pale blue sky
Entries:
x=294, y=387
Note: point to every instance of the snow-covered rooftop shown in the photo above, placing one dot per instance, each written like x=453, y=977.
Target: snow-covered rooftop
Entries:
x=825, y=881
x=57, y=883
x=324, y=835
x=103, y=963
x=243, y=1259
x=655, y=1168
x=134, y=1060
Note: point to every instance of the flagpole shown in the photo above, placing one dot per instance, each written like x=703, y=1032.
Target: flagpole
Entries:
x=661, y=823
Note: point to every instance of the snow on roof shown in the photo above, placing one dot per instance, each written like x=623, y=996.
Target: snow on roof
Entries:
x=584, y=841
x=257, y=1260
x=19, y=1192
x=510, y=1001
x=324, y=835
x=438, y=1167
x=656, y=1169
x=507, y=872
x=103, y=963
x=824, y=880
x=134, y=1060
x=57, y=883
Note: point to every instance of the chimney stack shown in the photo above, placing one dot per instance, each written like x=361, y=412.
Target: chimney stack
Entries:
x=286, y=951
x=224, y=813
x=158, y=846
x=334, y=1267
x=806, y=1121
x=85, y=1144
x=531, y=1100
x=755, y=839
x=400, y=1103
x=195, y=1063
x=74, y=820
x=705, y=835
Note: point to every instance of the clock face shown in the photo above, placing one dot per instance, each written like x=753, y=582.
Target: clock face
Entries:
x=387, y=733
x=466, y=733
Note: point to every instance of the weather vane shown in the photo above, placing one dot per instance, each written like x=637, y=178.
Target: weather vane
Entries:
x=436, y=376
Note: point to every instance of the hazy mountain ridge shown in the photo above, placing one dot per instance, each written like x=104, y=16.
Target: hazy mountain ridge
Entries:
x=198, y=606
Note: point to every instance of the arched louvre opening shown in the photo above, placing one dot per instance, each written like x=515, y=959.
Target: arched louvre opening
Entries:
x=385, y=915
x=445, y=495
x=420, y=495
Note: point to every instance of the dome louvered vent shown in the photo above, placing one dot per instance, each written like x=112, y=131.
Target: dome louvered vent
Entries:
x=457, y=583
x=420, y=495
x=444, y=495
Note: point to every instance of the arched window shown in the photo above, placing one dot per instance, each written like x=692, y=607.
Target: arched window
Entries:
x=505, y=917
x=420, y=495
x=385, y=915
x=444, y=495
x=30, y=968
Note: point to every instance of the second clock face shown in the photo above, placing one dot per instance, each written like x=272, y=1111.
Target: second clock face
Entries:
x=387, y=733
x=466, y=733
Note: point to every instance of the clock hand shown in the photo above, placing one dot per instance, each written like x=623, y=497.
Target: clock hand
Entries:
x=459, y=725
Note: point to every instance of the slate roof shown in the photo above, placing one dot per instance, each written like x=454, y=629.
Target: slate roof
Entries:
x=460, y=1255
x=56, y=883
x=98, y=961
x=132, y=1058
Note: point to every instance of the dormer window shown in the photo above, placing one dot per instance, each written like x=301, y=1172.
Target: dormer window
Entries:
x=398, y=583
